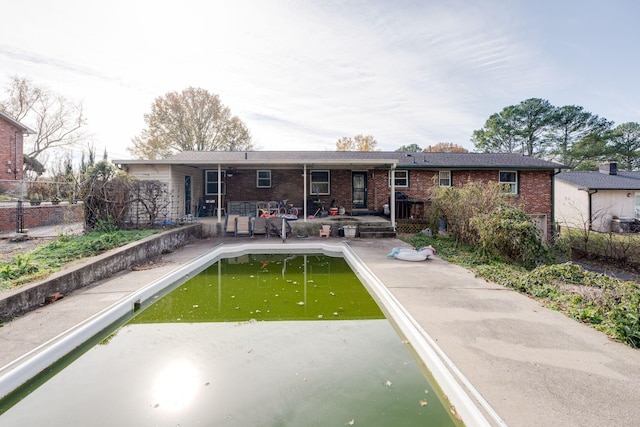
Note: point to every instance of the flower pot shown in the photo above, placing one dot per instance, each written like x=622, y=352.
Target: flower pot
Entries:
x=350, y=230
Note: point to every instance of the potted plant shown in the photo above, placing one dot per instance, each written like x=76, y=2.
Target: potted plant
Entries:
x=35, y=199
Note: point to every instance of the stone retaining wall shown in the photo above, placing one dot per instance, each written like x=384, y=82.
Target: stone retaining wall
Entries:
x=28, y=297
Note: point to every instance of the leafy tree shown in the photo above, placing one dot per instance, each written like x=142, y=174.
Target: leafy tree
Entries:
x=533, y=117
x=57, y=121
x=499, y=134
x=591, y=150
x=357, y=143
x=573, y=129
x=516, y=129
x=625, y=143
x=192, y=120
x=412, y=148
x=445, y=147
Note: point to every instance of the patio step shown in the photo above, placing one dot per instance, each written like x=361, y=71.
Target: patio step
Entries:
x=376, y=232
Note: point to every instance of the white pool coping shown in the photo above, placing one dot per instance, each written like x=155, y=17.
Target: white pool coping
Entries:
x=441, y=367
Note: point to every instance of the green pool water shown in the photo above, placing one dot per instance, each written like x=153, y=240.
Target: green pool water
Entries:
x=259, y=340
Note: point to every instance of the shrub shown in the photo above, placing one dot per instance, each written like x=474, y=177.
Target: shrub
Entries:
x=509, y=235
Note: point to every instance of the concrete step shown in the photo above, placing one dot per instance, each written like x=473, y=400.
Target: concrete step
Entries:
x=376, y=232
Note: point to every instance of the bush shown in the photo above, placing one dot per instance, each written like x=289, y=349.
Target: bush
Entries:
x=509, y=234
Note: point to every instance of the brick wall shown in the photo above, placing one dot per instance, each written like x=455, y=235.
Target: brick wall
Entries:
x=534, y=187
x=10, y=161
x=43, y=215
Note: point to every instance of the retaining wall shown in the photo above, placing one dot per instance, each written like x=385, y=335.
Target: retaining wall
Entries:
x=28, y=297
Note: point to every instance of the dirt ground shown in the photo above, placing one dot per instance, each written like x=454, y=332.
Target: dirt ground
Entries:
x=9, y=249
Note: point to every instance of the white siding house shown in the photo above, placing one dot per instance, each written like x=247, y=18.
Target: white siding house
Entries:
x=595, y=199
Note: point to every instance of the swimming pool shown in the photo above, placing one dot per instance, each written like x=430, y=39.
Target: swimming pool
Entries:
x=469, y=413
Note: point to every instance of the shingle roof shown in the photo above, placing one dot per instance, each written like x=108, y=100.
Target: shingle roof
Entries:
x=402, y=160
x=16, y=123
x=602, y=181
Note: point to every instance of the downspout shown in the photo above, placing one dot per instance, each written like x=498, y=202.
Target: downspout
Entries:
x=392, y=208
x=591, y=193
x=553, y=204
x=15, y=158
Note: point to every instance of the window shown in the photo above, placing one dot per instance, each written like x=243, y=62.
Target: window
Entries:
x=510, y=181
x=263, y=179
x=402, y=179
x=319, y=183
x=211, y=182
x=444, y=178
x=638, y=204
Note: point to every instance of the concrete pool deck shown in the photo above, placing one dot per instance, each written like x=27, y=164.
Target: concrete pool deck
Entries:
x=532, y=365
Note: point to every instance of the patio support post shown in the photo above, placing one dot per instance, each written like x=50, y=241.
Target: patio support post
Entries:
x=304, y=192
x=219, y=194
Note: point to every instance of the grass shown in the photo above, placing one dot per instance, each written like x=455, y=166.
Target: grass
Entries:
x=47, y=259
x=605, y=303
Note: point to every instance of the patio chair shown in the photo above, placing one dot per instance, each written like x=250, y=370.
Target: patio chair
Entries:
x=243, y=227
x=230, y=224
x=275, y=227
x=259, y=227
x=325, y=231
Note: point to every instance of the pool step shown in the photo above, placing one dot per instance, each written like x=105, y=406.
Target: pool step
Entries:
x=376, y=232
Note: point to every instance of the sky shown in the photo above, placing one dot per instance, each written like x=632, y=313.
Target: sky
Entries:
x=301, y=74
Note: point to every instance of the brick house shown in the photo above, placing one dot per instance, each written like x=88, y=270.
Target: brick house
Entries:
x=394, y=183
x=12, y=134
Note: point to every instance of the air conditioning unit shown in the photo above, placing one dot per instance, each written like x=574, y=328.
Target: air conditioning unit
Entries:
x=9, y=162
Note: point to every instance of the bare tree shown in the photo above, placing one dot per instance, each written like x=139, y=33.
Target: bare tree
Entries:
x=445, y=147
x=357, y=143
x=57, y=121
x=192, y=120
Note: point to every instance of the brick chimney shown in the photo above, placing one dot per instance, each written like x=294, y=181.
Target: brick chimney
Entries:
x=609, y=168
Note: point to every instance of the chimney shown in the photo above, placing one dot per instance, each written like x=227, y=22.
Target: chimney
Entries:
x=609, y=168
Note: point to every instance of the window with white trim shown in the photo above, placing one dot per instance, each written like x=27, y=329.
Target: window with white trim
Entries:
x=637, y=204
x=402, y=178
x=444, y=178
x=211, y=182
x=510, y=181
x=263, y=178
x=319, y=183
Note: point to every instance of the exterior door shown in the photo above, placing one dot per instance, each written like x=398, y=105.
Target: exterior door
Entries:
x=187, y=194
x=359, y=190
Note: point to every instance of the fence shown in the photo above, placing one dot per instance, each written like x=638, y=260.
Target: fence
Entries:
x=41, y=208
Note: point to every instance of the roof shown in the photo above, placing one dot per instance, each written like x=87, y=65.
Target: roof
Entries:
x=602, y=181
x=375, y=158
x=16, y=123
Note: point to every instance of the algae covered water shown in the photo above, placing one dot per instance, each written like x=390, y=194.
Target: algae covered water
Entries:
x=261, y=340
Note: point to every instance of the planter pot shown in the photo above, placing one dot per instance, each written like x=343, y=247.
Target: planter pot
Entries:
x=350, y=230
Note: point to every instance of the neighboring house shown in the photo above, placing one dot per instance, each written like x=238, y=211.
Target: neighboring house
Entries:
x=361, y=182
x=593, y=199
x=12, y=133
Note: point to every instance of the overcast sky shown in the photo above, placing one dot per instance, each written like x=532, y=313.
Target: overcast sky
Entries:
x=303, y=73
